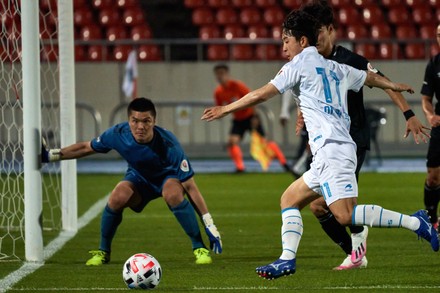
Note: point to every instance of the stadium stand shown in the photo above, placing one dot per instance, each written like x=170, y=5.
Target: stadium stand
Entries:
x=371, y=26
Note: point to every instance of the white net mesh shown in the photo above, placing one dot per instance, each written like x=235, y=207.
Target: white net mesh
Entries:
x=11, y=126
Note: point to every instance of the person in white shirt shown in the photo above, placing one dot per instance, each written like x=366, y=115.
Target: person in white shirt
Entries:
x=320, y=87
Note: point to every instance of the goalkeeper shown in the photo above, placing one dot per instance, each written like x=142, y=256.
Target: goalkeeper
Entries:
x=157, y=167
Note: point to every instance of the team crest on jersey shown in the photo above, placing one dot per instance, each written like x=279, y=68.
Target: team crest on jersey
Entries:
x=184, y=166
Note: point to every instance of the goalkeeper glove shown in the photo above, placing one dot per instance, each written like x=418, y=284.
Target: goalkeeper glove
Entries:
x=49, y=155
x=213, y=234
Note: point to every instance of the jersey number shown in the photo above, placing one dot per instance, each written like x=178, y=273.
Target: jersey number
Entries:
x=327, y=91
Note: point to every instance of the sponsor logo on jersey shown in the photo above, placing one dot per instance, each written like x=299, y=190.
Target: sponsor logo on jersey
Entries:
x=348, y=188
x=184, y=166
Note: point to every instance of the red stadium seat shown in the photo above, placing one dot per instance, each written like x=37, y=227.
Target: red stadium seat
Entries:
x=209, y=32
x=364, y=3
x=124, y=4
x=149, y=53
x=437, y=12
x=48, y=5
x=233, y=31
x=434, y=3
x=423, y=15
x=380, y=31
x=120, y=52
x=194, y=3
x=97, y=53
x=348, y=15
x=372, y=14
x=133, y=16
x=226, y=16
x=369, y=51
x=341, y=32
x=434, y=49
x=406, y=31
x=78, y=4
x=356, y=32
x=49, y=53
x=90, y=32
x=80, y=53
x=242, y=52
x=413, y=3
x=202, y=16
x=82, y=17
x=102, y=4
x=399, y=15
x=250, y=16
x=273, y=16
x=48, y=32
x=117, y=32
x=257, y=32
x=242, y=3
x=49, y=19
x=415, y=51
x=391, y=3
x=218, y=3
x=292, y=4
x=140, y=32
x=109, y=17
x=268, y=52
x=266, y=3
x=428, y=31
x=218, y=52
x=390, y=51
x=277, y=31
x=340, y=3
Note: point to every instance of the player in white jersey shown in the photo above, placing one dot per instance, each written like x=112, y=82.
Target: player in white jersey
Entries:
x=321, y=87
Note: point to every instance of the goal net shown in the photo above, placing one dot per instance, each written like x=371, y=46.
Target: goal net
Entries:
x=11, y=127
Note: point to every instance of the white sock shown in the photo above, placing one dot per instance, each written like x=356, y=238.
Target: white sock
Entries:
x=377, y=216
x=291, y=232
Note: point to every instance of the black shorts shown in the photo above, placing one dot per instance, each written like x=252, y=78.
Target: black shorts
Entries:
x=239, y=127
x=433, y=157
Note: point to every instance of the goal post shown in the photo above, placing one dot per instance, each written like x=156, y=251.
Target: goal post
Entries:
x=33, y=203
x=69, y=210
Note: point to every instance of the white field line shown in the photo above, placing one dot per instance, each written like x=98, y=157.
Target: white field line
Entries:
x=29, y=267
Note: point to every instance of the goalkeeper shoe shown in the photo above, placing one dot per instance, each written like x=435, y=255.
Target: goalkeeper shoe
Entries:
x=203, y=257
x=277, y=269
x=99, y=257
x=426, y=231
x=348, y=265
x=359, y=244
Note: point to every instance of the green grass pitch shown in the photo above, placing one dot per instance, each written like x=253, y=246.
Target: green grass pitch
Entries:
x=246, y=211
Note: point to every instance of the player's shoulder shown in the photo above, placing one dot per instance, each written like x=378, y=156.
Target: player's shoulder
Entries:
x=346, y=56
x=165, y=133
x=119, y=128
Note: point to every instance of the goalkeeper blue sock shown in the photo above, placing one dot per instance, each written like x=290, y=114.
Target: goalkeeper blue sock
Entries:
x=186, y=217
x=377, y=216
x=109, y=223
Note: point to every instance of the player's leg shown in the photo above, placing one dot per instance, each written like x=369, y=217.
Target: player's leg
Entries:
x=197, y=200
x=234, y=149
x=123, y=195
x=173, y=194
x=296, y=196
x=432, y=183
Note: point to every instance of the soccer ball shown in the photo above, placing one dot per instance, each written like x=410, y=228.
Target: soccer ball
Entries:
x=142, y=271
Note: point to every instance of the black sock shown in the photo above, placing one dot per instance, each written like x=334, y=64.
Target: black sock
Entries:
x=431, y=199
x=356, y=229
x=336, y=232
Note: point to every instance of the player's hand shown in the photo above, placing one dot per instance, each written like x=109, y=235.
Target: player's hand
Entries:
x=213, y=113
x=299, y=124
x=401, y=87
x=49, y=155
x=418, y=130
x=214, y=239
x=434, y=120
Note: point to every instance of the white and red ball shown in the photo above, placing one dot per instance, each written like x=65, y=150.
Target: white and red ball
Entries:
x=142, y=271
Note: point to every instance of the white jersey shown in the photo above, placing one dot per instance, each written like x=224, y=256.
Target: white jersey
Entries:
x=320, y=89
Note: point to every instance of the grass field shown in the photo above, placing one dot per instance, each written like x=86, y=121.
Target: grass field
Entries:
x=246, y=211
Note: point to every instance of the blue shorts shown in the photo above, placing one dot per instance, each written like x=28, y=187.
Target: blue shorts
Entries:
x=149, y=190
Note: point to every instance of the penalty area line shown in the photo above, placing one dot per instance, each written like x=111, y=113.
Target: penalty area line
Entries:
x=56, y=244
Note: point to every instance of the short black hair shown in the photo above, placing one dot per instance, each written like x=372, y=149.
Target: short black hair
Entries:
x=141, y=105
x=298, y=23
x=321, y=10
x=221, y=66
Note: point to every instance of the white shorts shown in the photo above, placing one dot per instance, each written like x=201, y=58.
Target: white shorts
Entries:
x=332, y=172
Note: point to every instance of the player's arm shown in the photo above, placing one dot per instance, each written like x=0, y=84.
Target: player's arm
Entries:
x=375, y=80
x=428, y=109
x=251, y=99
x=285, y=107
x=74, y=151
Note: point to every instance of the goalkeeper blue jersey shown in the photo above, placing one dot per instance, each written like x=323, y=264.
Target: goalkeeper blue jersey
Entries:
x=155, y=161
